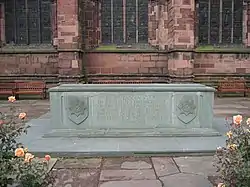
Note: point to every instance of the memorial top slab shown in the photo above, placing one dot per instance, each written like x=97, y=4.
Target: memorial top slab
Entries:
x=132, y=88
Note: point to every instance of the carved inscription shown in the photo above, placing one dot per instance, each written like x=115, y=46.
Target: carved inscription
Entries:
x=133, y=109
x=187, y=109
x=77, y=108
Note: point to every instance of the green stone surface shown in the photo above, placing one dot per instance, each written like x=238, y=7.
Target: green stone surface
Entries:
x=131, y=110
x=58, y=138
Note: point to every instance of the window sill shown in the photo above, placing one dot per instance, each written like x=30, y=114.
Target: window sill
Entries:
x=222, y=49
x=15, y=49
x=138, y=48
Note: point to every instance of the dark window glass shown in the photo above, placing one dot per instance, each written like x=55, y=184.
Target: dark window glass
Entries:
x=220, y=21
x=10, y=21
x=106, y=22
x=142, y=21
x=203, y=21
x=214, y=21
x=226, y=21
x=124, y=21
x=238, y=19
x=131, y=21
x=46, y=10
x=28, y=21
x=118, y=21
x=33, y=21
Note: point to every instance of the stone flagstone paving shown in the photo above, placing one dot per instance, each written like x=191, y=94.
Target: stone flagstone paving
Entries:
x=136, y=171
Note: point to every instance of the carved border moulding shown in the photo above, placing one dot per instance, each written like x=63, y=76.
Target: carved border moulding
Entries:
x=187, y=108
x=77, y=108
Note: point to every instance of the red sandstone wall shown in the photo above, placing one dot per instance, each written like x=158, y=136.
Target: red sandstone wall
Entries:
x=208, y=63
x=153, y=22
x=171, y=26
x=119, y=63
x=21, y=60
x=175, y=63
x=28, y=64
x=180, y=63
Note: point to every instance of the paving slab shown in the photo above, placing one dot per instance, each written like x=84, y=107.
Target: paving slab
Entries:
x=185, y=179
x=33, y=108
x=93, y=163
x=233, y=105
x=196, y=165
x=108, y=175
x=52, y=163
x=73, y=173
x=127, y=163
x=226, y=111
x=215, y=180
x=137, y=183
x=70, y=147
x=164, y=166
x=116, y=146
x=136, y=165
x=73, y=147
x=119, y=147
x=76, y=178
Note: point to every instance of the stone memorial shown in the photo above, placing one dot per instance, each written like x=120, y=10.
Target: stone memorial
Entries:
x=130, y=119
x=131, y=110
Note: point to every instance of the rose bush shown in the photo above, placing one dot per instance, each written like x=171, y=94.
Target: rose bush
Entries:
x=17, y=165
x=233, y=160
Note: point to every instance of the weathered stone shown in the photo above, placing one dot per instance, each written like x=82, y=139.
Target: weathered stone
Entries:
x=107, y=175
x=76, y=177
x=215, y=180
x=149, y=110
x=51, y=163
x=135, y=183
x=62, y=147
x=187, y=180
x=136, y=165
x=79, y=163
x=28, y=64
x=130, y=163
x=164, y=166
x=193, y=165
x=166, y=24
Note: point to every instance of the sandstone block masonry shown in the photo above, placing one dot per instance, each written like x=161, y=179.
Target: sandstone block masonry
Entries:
x=76, y=36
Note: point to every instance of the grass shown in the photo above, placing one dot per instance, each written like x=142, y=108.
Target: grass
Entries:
x=127, y=48
x=209, y=48
x=106, y=48
x=148, y=48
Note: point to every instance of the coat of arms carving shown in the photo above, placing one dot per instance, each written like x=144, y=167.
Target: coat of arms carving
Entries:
x=187, y=108
x=77, y=108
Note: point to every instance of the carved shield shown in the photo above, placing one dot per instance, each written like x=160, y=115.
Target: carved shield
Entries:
x=77, y=108
x=187, y=108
